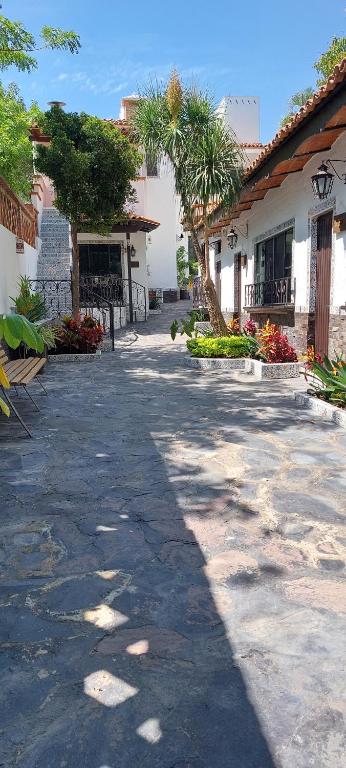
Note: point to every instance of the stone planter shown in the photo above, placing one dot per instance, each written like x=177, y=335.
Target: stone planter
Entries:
x=319, y=407
x=75, y=358
x=217, y=363
x=265, y=371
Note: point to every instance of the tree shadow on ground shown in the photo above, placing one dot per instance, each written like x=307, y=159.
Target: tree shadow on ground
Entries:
x=115, y=653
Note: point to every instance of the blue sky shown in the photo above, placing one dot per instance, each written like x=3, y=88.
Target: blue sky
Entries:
x=265, y=48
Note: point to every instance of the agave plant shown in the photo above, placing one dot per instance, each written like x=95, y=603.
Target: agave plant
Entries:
x=328, y=380
x=29, y=303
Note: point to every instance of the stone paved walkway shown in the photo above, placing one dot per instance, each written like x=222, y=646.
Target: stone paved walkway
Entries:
x=172, y=571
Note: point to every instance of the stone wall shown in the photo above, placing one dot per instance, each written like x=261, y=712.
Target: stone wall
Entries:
x=337, y=334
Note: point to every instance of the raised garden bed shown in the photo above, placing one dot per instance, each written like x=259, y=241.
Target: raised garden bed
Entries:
x=327, y=411
x=217, y=363
x=75, y=357
x=264, y=371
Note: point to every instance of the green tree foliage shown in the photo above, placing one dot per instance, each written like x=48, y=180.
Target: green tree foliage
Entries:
x=91, y=165
x=328, y=60
x=297, y=101
x=182, y=267
x=181, y=124
x=15, y=147
x=18, y=45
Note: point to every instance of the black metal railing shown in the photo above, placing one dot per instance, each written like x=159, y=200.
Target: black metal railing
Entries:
x=270, y=293
x=99, y=296
x=118, y=290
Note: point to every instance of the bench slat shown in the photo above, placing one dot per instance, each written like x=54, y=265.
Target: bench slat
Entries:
x=34, y=371
x=23, y=371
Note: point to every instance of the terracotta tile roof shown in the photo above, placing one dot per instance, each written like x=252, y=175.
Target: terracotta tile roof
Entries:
x=318, y=142
x=332, y=83
x=144, y=219
x=252, y=145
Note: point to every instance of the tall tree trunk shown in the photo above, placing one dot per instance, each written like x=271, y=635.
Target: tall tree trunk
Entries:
x=75, y=271
x=217, y=319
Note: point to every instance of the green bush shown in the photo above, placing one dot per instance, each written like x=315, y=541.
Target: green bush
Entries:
x=226, y=346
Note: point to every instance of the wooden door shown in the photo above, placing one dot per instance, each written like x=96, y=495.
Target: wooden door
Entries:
x=237, y=285
x=218, y=280
x=323, y=277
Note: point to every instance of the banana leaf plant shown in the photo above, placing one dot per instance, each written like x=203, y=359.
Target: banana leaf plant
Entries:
x=328, y=380
x=15, y=329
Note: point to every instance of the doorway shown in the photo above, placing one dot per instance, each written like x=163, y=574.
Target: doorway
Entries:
x=323, y=282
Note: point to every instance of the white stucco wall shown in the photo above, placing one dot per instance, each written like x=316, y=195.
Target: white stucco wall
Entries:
x=241, y=115
x=12, y=266
x=294, y=200
x=160, y=205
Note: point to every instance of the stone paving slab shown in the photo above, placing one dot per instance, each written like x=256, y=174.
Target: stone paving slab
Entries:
x=172, y=570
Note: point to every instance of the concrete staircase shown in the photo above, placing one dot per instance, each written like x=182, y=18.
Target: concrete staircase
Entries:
x=54, y=261
x=54, y=257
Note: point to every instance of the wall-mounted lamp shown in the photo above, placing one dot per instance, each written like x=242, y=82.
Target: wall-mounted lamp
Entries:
x=133, y=252
x=322, y=181
x=232, y=236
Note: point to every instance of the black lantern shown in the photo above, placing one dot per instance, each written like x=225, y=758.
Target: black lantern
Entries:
x=322, y=182
x=232, y=238
x=133, y=252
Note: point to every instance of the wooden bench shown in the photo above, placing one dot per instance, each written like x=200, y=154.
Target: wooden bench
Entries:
x=20, y=373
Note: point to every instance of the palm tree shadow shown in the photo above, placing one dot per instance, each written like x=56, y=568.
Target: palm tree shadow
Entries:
x=141, y=665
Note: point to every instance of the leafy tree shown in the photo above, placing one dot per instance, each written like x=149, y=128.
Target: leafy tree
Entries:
x=328, y=60
x=297, y=101
x=15, y=146
x=181, y=124
x=182, y=266
x=18, y=46
x=91, y=165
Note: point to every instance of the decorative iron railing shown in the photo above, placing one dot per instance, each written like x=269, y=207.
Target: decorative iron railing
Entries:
x=117, y=290
x=16, y=216
x=270, y=293
x=99, y=296
x=198, y=298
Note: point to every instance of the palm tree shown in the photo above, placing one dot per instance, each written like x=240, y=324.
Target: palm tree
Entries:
x=181, y=125
x=297, y=101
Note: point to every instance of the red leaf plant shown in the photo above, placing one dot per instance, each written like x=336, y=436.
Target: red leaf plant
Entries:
x=82, y=335
x=250, y=328
x=274, y=346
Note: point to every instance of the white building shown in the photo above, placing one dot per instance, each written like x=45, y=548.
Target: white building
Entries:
x=288, y=257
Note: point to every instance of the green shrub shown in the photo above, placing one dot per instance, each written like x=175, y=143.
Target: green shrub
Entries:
x=226, y=346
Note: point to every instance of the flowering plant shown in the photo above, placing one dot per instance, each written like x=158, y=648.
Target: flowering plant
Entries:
x=328, y=380
x=234, y=327
x=311, y=357
x=274, y=346
x=79, y=335
x=250, y=328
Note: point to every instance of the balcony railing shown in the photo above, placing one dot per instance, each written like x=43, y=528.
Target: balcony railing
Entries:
x=16, y=216
x=270, y=293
